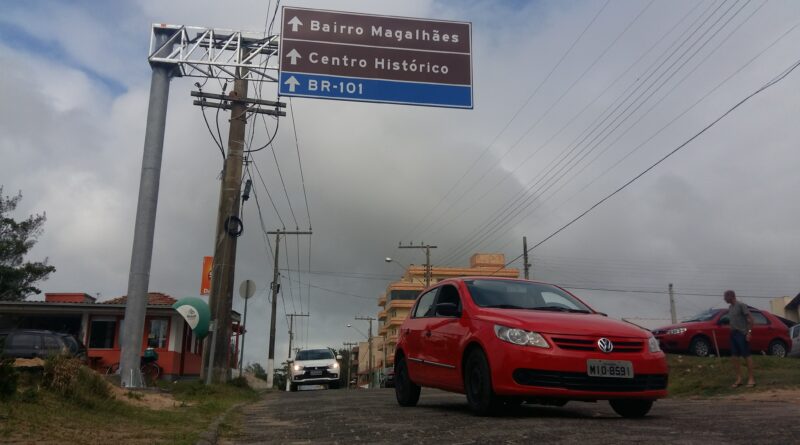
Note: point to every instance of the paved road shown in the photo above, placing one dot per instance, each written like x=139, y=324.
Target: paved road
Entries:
x=373, y=416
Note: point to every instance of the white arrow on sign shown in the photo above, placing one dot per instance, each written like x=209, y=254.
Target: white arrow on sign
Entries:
x=294, y=55
x=292, y=82
x=295, y=22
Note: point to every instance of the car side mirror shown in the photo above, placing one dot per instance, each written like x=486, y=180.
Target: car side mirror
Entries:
x=338, y=357
x=447, y=310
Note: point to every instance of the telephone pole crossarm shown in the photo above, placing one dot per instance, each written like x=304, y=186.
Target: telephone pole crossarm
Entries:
x=428, y=267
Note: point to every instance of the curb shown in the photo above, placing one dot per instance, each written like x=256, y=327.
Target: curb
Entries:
x=210, y=435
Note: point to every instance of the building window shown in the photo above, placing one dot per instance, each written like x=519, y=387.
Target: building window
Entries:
x=102, y=332
x=157, y=335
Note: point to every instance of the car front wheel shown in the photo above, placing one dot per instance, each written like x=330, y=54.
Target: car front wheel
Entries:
x=777, y=348
x=406, y=391
x=478, y=385
x=631, y=408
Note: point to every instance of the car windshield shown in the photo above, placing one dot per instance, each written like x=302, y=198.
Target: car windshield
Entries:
x=314, y=354
x=703, y=316
x=523, y=295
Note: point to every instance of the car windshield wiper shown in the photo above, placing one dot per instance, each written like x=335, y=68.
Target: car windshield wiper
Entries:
x=504, y=306
x=560, y=309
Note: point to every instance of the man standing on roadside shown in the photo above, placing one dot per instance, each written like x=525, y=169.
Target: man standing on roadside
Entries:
x=741, y=323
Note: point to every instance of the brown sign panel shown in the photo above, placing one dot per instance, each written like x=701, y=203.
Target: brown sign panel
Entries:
x=376, y=63
x=374, y=30
x=371, y=58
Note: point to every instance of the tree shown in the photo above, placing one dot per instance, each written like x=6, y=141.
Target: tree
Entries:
x=18, y=277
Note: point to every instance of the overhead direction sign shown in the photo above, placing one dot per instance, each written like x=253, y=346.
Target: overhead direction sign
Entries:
x=372, y=58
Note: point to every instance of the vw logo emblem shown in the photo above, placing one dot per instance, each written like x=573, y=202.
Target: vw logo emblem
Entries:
x=605, y=345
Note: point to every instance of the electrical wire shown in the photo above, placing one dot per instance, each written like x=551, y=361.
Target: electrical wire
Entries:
x=558, y=169
x=763, y=88
x=538, y=121
x=513, y=117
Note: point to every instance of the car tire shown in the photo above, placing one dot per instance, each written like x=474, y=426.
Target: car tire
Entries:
x=406, y=391
x=777, y=348
x=293, y=387
x=333, y=385
x=631, y=408
x=478, y=385
x=700, y=347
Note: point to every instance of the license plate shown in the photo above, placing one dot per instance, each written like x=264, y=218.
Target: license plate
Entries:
x=316, y=372
x=620, y=369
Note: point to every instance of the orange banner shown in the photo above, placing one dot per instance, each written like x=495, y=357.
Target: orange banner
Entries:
x=205, y=281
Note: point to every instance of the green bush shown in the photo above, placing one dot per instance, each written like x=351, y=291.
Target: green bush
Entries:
x=69, y=378
x=8, y=378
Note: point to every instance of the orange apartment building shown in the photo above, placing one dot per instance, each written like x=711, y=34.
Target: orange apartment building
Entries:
x=400, y=295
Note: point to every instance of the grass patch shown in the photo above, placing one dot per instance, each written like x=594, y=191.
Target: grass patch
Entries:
x=64, y=409
x=711, y=376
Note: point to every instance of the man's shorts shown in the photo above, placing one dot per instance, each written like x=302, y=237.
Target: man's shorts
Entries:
x=739, y=345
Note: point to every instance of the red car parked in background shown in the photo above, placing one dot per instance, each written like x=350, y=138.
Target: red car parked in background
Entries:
x=503, y=342
x=702, y=334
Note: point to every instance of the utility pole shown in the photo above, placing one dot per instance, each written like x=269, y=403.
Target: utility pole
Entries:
x=672, y=305
x=228, y=229
x=526, y=264
x=349, y=346
x=276, y=286
x=428, y=268
x=291, y=330
x=369, y=345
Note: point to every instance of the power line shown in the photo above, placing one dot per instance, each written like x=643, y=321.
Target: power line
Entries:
x=512, y=208
x=540, y=119
x=300, y=162
x=339, y=292
x=769, y=84
x=513, y=117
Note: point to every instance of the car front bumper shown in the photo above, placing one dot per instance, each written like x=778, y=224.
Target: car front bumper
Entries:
x=562, y=374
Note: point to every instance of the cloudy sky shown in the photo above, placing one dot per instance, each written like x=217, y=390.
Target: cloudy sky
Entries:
x=572, y=100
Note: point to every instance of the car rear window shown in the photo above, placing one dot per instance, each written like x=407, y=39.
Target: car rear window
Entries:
x=24, y=341
x=314, y=354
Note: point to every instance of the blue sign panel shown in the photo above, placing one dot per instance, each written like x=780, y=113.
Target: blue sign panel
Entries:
x=369, y=58
x=374, y=90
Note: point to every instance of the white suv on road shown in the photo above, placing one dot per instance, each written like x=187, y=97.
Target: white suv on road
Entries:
x=315, y=367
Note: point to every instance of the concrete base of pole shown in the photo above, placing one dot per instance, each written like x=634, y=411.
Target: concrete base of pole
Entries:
x=271, y=372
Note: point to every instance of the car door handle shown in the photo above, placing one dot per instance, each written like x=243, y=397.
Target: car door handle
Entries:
x=427, y=333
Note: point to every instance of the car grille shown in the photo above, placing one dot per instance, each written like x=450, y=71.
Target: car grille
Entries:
x=590, y=344
x=581, y=382
x=308, y=370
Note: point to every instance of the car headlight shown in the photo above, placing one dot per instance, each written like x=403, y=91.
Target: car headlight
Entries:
x=335, y=365
x=297, y=368
x=520, y=337
x=652, y=345
x=676, y=331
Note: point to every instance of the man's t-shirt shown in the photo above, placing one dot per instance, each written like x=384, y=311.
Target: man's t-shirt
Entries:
x=737, y=313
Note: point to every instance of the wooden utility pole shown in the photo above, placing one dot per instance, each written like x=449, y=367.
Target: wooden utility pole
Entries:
x=672, y=312
x=275, y=286
x=428, y=267
x=216, y=354
x=291, y=330
x=525, y=262
x=369, y=345
x=349, y=347
x=228, y=229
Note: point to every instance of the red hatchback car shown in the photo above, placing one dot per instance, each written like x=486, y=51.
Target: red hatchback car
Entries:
x=505, y=341
x=698, y=334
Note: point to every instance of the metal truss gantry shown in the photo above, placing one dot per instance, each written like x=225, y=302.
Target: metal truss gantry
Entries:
x=215, y=53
